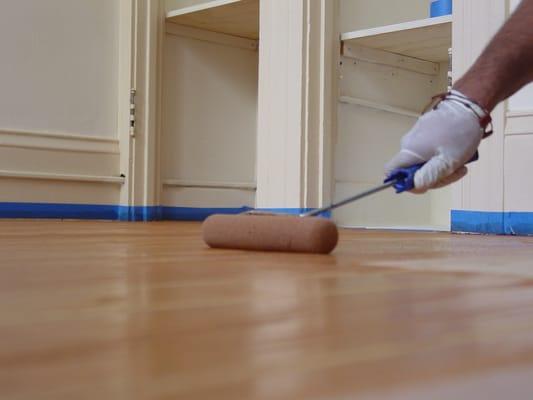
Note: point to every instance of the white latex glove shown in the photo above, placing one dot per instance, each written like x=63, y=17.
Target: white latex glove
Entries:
x=446, y=137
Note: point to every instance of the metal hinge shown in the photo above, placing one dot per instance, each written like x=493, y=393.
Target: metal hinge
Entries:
x=133, y=92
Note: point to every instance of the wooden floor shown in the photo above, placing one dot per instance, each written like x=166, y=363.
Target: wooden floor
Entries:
x=102, y=310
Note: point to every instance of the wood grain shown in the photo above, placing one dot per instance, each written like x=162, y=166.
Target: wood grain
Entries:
x=107, y=310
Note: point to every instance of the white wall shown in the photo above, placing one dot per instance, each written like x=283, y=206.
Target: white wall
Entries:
x=59, y=66
x=59, y=101
x=518, y=148
x=500, y=180
x=523, y=100
x=368, y=138
x=361, y=14
x=209, y=121
x=475, y=22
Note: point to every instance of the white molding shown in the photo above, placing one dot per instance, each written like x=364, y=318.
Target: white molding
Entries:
x=58, y=141
x=211, y=37
x=519, y=123
x=328, y=73
x=378, y=106
x=61, y=177
x=127, y=60
x=199, y=7
x=141, y=150
x=381, y=57
x=180, y=183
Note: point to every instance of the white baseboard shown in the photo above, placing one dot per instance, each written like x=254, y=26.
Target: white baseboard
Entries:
x=61, y=177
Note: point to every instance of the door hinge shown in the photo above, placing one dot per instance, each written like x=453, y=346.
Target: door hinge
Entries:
x=133, y=92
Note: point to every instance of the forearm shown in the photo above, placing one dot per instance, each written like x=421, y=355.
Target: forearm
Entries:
x=506, y=65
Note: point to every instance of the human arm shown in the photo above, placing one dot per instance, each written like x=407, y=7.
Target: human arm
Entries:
x=448, y=136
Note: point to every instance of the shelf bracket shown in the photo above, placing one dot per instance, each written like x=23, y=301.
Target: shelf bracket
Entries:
x=378, y=106
x=383, y=57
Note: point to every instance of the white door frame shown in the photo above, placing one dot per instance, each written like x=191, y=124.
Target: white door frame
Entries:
x=141, y=39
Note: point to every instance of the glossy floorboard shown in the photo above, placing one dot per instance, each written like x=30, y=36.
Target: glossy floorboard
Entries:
x=96, y=310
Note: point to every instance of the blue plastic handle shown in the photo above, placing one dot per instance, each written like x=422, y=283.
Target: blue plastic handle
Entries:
x=404, y=178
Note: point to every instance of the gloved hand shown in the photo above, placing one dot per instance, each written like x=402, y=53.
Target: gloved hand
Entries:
x=446, y=137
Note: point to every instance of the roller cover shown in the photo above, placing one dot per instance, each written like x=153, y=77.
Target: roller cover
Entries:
x=283, y=233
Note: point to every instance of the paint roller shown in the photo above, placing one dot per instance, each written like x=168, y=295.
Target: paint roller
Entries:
x=304, y=233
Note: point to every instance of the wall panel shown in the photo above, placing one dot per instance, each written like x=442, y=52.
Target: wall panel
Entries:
x=209, y=119
x=60, y=74
x=518, y=182
x=59, y=101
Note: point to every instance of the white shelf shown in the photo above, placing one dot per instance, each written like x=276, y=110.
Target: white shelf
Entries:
x=427, y=39
x=232, y=17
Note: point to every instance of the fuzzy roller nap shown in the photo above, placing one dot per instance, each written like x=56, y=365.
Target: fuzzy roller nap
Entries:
x=284, y=233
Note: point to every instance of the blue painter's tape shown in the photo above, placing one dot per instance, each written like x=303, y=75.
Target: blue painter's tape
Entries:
x=140, y=213
x=477, y=222
x=152, y=213
x=58, y=211
x=441, y=7
x=519, y=223
x=123, y=213
x=200, y=214
x=496, y=223
x=79, y=211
